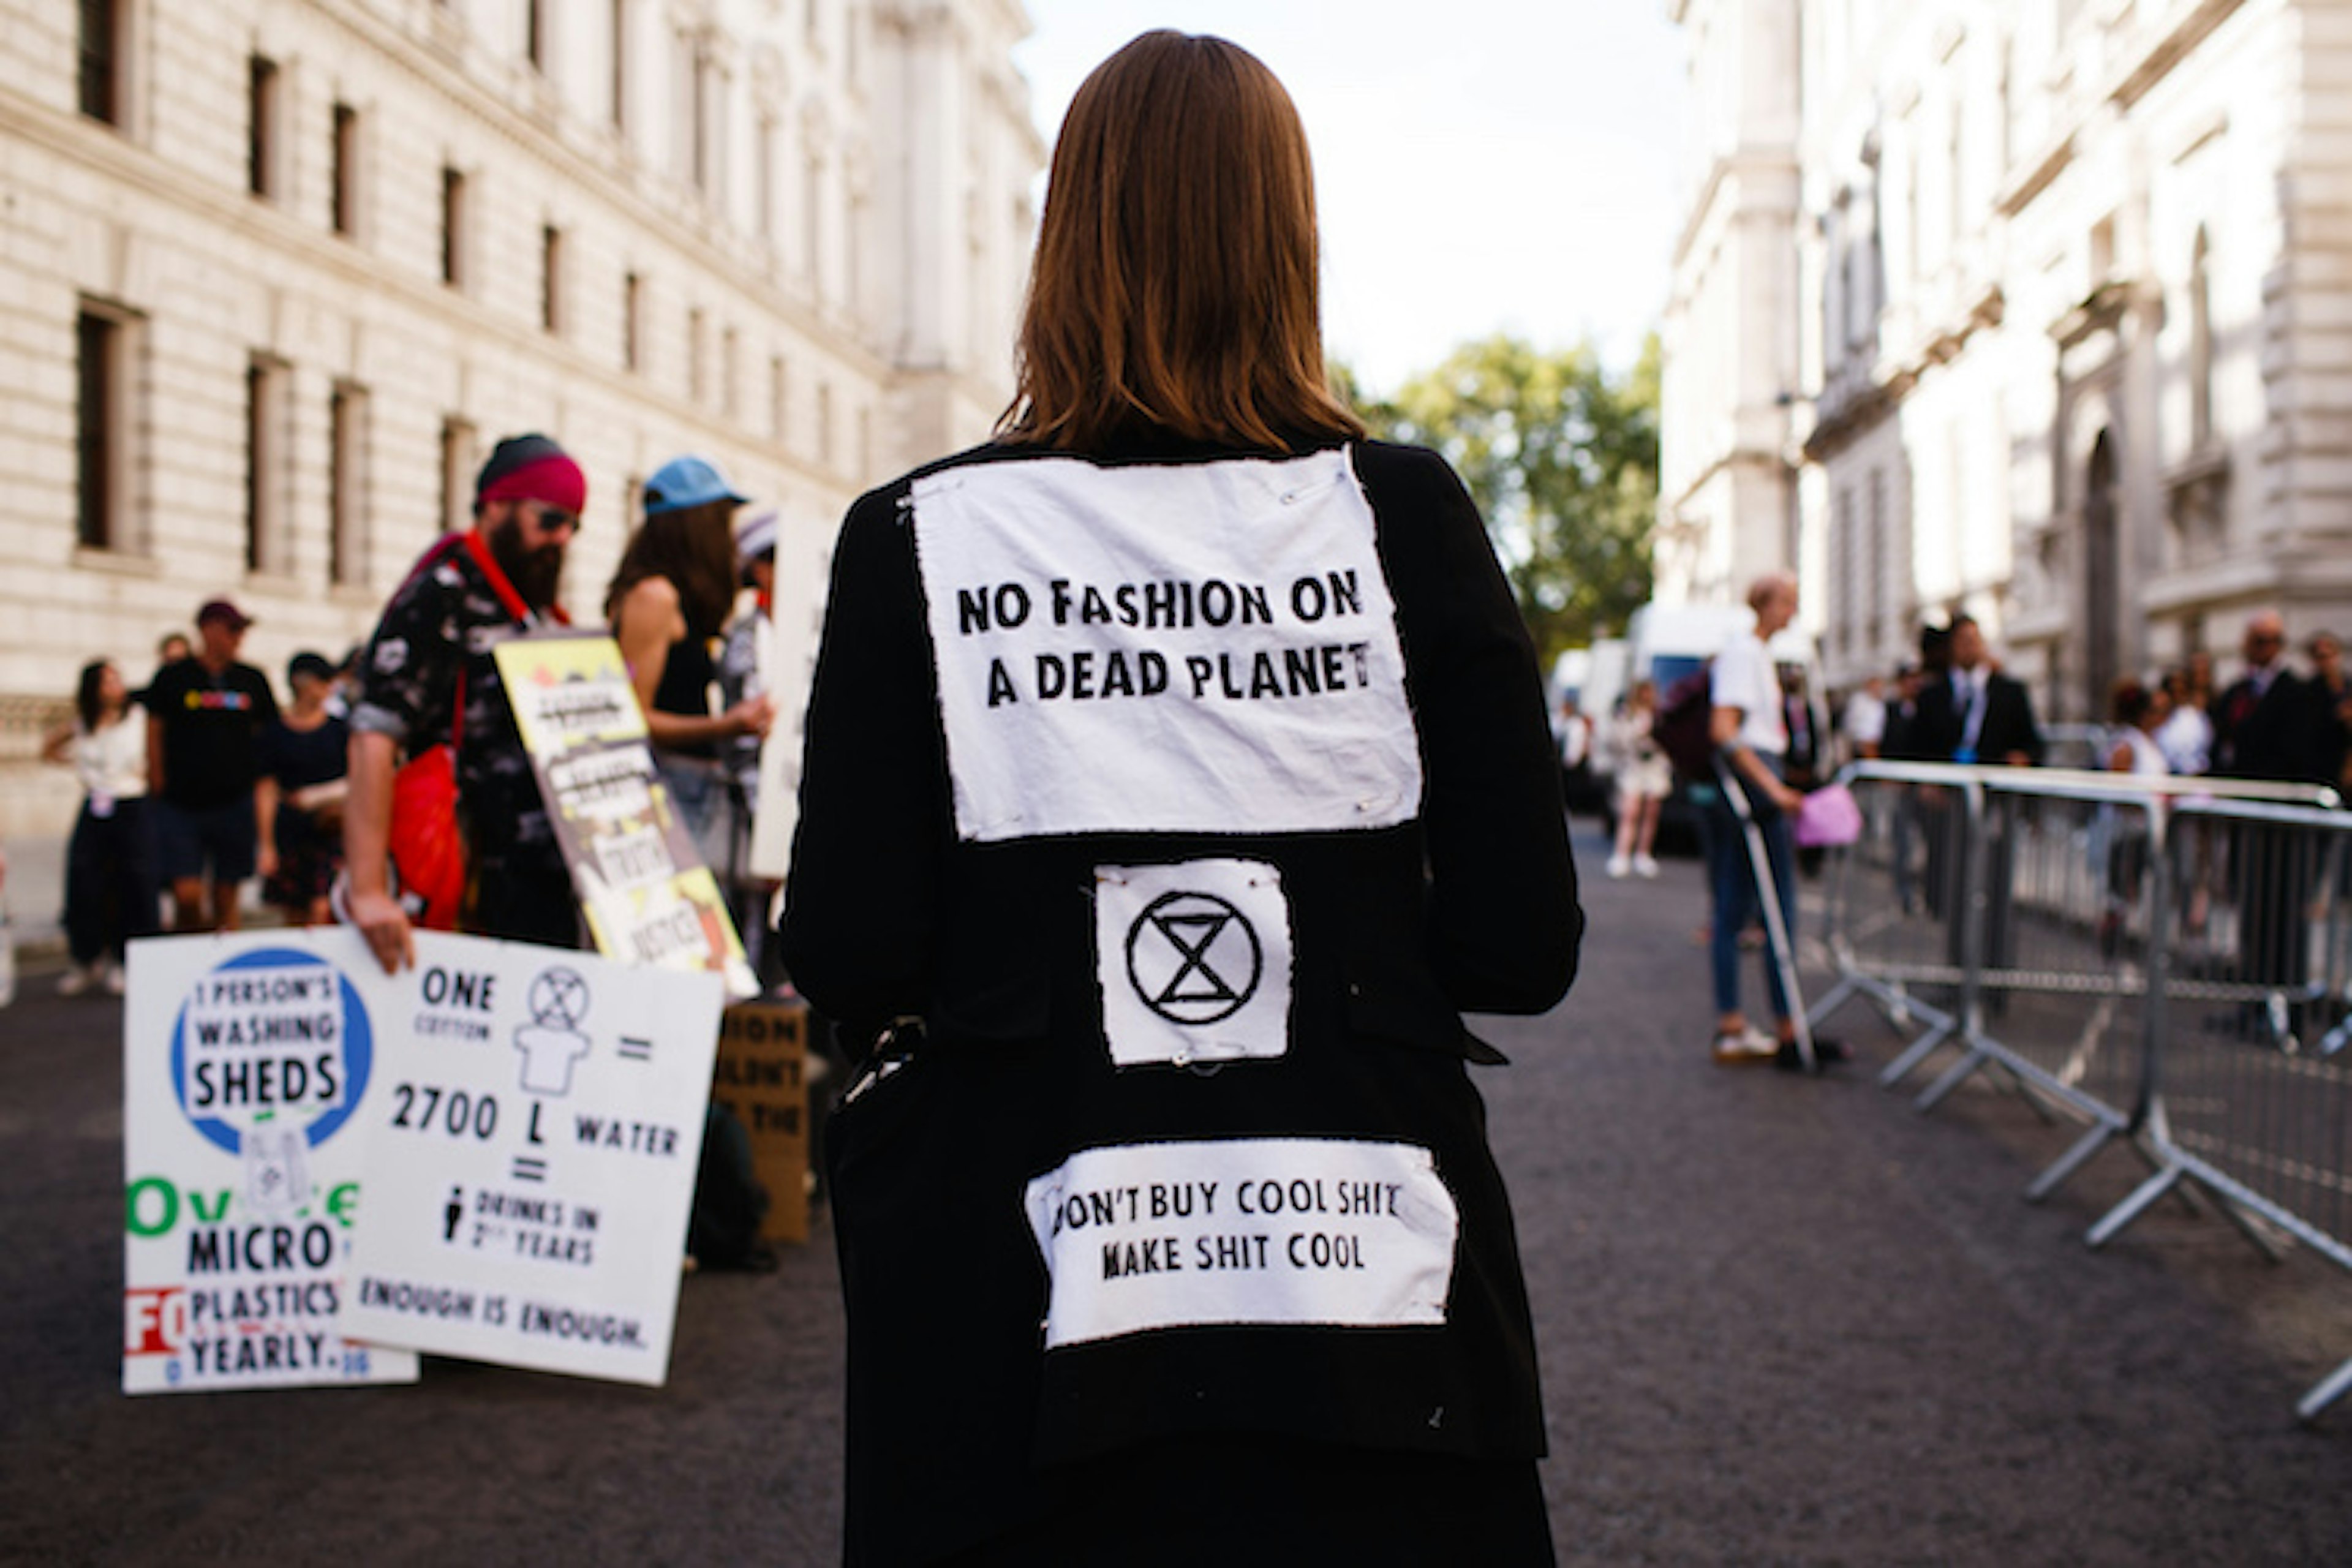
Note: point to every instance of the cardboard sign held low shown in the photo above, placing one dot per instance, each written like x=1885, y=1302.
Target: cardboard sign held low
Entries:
x=761, y=1078
x=531, y=1159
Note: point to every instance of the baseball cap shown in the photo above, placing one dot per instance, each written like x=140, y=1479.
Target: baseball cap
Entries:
x=756, y=537
x=222, y=610
x=687, y=481
x=533, y=467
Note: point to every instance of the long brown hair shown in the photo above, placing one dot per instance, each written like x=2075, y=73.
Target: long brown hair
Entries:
x=692, y=547
x=1176, y=288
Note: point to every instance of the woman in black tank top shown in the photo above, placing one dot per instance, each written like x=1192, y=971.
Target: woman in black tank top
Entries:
x=668, y=599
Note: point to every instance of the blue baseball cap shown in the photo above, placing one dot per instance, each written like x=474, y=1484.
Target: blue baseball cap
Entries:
x=687, y=481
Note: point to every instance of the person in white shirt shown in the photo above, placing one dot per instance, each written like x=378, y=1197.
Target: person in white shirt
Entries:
x=2137, y=713
x=1645, y=779
x=2186, y=736
x=112, y=886
x=1750, y=728
x=1866, y=719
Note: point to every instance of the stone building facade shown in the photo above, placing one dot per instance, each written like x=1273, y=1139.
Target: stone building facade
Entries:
x=2075, y=294
x=279, y=271
x=1729, y=342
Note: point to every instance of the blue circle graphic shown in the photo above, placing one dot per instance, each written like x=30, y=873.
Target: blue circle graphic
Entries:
x=358, y=1051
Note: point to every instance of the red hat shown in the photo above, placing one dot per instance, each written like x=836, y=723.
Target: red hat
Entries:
x=533, y=467
x=222, y=610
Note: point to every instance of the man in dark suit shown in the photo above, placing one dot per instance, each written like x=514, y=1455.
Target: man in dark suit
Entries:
x=1974, y=713
x=2263, y=725
x=2267, y=725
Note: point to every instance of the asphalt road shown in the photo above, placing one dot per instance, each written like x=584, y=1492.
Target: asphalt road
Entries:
x=1784, y=1321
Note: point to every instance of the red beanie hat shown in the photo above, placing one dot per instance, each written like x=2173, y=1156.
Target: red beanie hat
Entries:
x=533, y=467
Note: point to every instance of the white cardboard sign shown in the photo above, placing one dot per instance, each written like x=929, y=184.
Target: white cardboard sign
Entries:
x=1186, y=647
x=530, y=1157
x=250, y=1065
x=1243, y=1231
x=771, y=852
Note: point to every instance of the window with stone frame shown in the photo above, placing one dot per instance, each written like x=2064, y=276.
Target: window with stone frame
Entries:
x=99, y=41
x=345, y=171
x=550, y=279
x=455, y=214
x=347, y=487
x=105, y=355
x=264, y=92
x=267, y=465
x=633, y=322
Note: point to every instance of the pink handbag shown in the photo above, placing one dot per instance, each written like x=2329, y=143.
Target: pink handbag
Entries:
x=1829, y=820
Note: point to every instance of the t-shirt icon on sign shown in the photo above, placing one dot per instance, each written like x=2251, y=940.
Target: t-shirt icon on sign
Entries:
x=552, y=1040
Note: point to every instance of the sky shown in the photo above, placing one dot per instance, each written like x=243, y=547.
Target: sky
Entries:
x=1481, y=165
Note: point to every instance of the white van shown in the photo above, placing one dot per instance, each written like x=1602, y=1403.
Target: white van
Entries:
x=1594, y=675
x=1669, y=641
x=1605, y=682
x=1568, y=673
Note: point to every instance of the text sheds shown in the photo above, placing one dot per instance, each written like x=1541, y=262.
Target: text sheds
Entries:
x=1194, y=958
x=270, y=1052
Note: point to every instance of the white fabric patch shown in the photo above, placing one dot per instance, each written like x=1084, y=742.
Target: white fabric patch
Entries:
x=1194, y=961
x=1247, y=1231
x=1185, y=648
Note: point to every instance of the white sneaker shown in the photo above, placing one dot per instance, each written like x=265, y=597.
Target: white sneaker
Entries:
x=1645, y=866
x=1618, y=866
x=115, y=982
x=76, y=979
x=1751, y=1045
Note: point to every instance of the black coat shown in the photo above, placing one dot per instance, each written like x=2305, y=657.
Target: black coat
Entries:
x=903, y=901
x=2278, y=733
x=1940, y=723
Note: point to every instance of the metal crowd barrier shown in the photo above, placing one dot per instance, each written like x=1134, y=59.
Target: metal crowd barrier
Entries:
x=2167, y=962
x=2077, y=745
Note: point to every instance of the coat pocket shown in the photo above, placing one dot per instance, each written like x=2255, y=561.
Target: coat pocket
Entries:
x=1408, y=1009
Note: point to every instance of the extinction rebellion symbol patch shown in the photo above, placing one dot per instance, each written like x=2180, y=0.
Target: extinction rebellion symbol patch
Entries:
x=1193, y=962
x=1194, y=958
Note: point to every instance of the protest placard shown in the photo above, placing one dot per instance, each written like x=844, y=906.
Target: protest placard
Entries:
x=648, y=895
x=762, y=1079
x=530, y=1157
x=250, y=1064
x=779, y=791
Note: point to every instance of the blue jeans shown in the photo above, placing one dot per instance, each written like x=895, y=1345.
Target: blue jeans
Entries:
x=1733, y=878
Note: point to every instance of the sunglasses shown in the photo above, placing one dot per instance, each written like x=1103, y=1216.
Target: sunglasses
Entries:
x=552, y=519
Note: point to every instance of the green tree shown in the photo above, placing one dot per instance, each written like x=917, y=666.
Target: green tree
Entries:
x=1562, y=459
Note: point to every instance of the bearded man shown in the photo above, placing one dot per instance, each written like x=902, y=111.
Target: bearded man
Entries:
x=429, y=678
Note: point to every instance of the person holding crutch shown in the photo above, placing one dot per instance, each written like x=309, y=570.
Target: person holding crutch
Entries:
x=1751, y=737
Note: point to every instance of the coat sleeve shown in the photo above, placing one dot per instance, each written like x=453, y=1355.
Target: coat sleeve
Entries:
x=861, y=901
x=1504, y=923
x=2030, y=737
